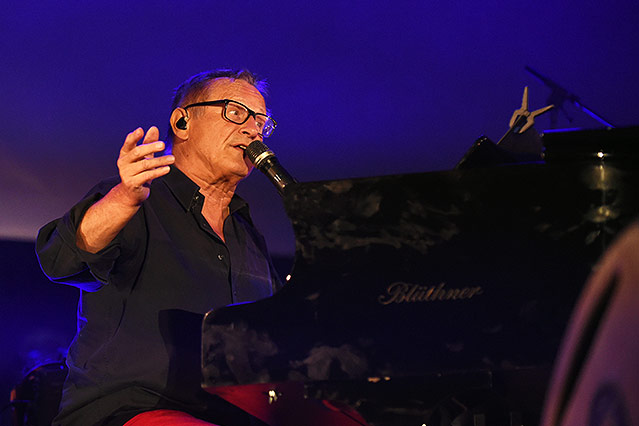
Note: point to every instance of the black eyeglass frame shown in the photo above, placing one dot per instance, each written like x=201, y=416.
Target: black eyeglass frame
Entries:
x=225, y=102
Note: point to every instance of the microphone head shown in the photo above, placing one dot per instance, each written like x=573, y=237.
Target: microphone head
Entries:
x=257, y=152
x=265, y=161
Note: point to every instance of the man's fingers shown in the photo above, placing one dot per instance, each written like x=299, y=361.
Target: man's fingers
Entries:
x=150, y=164
x=152, y=135
x=141, y=152
x=144, y=178
x=146, y=150
x=132, y=140
x=137, y=163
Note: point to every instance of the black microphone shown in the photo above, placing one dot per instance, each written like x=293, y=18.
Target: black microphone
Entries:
x=265, y=161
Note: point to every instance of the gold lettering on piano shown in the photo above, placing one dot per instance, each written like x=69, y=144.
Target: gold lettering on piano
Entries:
x=401, y=292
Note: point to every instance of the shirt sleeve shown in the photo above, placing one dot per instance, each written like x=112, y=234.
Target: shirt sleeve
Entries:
x=62, y=261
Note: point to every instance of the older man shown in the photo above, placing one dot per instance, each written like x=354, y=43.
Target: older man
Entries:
x=155, y=249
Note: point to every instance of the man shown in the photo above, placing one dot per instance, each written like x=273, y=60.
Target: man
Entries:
x=154, y=250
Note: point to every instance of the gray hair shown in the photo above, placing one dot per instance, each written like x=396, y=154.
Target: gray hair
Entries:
x=196, y=86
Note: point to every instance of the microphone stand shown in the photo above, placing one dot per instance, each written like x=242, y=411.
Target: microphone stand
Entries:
x=559, y=95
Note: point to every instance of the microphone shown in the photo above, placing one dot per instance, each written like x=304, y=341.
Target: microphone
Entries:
x=265, y=161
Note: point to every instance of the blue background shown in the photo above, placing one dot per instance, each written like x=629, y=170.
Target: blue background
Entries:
x=358, y=89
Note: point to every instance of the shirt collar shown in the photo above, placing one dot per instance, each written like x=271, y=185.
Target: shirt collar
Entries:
x=188, y=193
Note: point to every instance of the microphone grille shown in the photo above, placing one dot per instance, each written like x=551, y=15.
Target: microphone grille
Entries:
x=257, y=149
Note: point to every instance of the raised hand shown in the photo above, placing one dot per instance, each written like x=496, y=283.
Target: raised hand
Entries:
x=138, y=166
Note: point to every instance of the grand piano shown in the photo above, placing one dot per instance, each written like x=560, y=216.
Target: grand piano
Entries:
x=428, y=299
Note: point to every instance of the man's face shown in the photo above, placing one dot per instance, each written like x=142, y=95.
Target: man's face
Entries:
x=214, y=144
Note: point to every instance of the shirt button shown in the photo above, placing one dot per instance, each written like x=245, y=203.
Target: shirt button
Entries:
x=220, y=257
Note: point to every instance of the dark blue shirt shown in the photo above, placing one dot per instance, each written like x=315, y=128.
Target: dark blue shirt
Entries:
x=142, y=300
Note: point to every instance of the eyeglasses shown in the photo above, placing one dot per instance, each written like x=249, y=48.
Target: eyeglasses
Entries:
x=239, y=113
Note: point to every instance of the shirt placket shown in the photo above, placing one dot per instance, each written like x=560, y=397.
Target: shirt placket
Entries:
x=223, y=255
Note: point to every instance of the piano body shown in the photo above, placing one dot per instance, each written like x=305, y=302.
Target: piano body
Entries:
x=427, y=298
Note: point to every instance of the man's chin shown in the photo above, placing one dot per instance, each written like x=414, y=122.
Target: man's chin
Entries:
x=244, y=172
x=249, y=166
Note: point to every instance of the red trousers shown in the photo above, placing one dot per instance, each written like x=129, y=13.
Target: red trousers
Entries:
x=166, y=418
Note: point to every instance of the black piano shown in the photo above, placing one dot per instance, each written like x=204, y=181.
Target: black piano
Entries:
x=428, y=299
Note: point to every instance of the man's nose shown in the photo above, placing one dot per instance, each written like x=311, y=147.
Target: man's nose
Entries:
x=250, y=128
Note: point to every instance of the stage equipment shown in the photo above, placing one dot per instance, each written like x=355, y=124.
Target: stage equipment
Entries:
x=559, y=95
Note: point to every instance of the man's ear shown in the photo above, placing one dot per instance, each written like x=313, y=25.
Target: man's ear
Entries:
x=180, y=123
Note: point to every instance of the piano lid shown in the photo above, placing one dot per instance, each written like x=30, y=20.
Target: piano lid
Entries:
x=619, y=145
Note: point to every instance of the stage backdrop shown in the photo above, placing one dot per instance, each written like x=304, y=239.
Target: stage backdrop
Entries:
x=357, y=88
